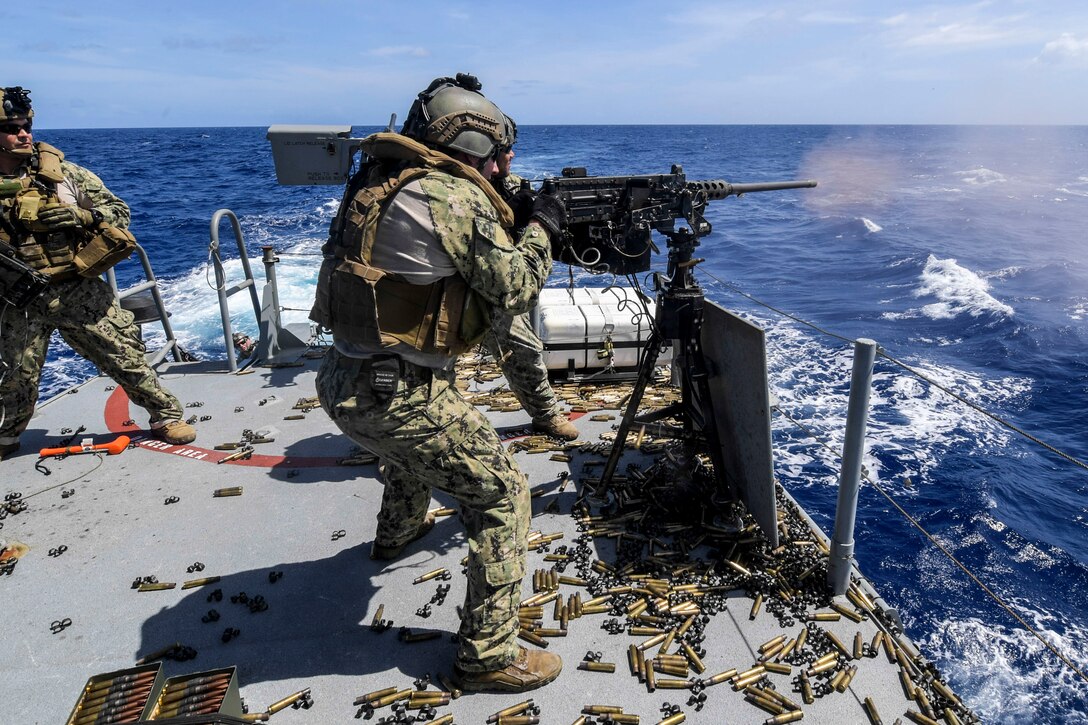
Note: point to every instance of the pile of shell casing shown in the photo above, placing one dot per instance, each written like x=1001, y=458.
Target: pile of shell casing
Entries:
x=674, y=569
x=670, y=575
x=408, y=705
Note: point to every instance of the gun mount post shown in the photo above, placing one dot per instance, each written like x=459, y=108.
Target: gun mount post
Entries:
x=853, y=449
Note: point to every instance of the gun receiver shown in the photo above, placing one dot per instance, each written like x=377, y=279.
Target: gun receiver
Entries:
x=610, y=218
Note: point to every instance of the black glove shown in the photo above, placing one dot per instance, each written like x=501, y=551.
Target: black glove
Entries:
x=522, y=202
x=550, y=212
x=65, y=216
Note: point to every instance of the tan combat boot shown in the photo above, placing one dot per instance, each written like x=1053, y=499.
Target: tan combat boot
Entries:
x=532, y=669
x=380, y=552
x=557, y=427
x=175, y=432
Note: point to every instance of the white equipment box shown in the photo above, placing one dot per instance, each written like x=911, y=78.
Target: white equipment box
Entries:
x=574, y=324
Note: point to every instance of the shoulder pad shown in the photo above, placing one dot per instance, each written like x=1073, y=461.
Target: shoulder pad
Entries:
x=49, y=158
x=461, y=196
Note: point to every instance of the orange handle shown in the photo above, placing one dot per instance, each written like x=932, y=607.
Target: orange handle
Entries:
x=113, y=448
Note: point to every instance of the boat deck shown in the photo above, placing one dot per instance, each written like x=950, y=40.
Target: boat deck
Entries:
x=299, y=536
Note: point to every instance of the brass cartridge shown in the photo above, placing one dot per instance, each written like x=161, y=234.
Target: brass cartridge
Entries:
x=824, y=617
x=518, y=720
x=950, y=717
x=848, y=679
x=192, y=583
x=721, y=677
x=645, y=631
x=655, y=640
x=784, y=718
x=391, y=698
x=693, y=658
x=597, y=666
x=287, y=701
x=633, y=658
x=231, y=490
x=769, y=705
x=859, y=649
x=651, y=677
x=920, y=718
x=806, y=690
x=624, y=718
x=550, y=632
x=907, y=683
x=836, y=681
x=756, y=606
x=674, y=719
x=377, y=621
x=419, y=636
x=838, y=644
x=374, y=695
x=532, y=637
x=518, y=709
x=872, y=712
x=667, y=684
x=454, y=691
x=156, y=586
x=846, y=612
x=801, y=639
x=777, y=668
x=431, y=575
x=601, y=709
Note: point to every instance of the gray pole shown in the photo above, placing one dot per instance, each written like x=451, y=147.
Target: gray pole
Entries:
x=853, y=450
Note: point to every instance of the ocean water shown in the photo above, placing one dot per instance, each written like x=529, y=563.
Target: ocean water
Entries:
x=959, y=249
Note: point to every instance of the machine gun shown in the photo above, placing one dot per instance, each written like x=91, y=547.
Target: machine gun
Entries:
x=610, y=218
x=19, y=284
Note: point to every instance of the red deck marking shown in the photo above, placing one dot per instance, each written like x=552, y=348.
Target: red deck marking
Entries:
x=117, y=412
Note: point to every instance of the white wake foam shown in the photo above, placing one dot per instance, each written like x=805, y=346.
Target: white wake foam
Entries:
x=958, y=291
x=981, y=177
x=871, y=226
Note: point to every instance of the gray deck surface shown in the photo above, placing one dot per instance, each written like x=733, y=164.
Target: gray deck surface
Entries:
x=315, y=633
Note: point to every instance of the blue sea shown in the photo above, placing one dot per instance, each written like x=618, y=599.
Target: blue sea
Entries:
x=959, y=249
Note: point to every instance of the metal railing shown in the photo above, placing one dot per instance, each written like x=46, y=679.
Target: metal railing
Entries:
x=221, y=288
x=149, y=284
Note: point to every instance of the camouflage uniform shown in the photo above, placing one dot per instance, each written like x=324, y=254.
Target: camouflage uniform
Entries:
x=428, y=435
x=520, y=353
x=89, y=318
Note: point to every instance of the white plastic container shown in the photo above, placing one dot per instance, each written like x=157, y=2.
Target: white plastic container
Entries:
x=574, y=324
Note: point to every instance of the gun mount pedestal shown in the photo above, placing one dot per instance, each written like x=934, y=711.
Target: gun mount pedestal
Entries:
x=679, y=317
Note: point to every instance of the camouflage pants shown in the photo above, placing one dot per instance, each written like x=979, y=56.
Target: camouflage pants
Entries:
x=89, y=319
x=429, y=436
x=520, y=353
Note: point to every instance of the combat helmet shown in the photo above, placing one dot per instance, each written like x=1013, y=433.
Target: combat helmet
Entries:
x=452, y=114
x=15, y=103
x=510, y=133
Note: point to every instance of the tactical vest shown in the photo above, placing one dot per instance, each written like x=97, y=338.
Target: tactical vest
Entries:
x=60, y=254
x=51, y=253
x=365, y=305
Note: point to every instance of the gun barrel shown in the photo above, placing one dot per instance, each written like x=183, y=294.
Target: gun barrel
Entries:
x=717, y=189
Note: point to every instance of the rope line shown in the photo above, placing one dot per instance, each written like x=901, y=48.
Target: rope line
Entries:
x=951, y=557
x=917, y=373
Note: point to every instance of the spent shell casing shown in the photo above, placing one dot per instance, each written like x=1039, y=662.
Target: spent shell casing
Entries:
x=651, y=676
x=824, y=617
x=846, y=612
x=944, y=691
x=838, y=644
x=225, y=492
x=419, y=636
x=518, y=720
x=441, y=571
x=721, y=677
x=872, y=712
x=370, y=696
x=777, y=668
x=859, y=649
x=156, y=586
x=801, y=639
x=287, y=701
x=623, y=718
x=597, y=666
x=673, y=719
x=756, y=606
x=532, y=637
x=376, y=622
x=391, y=698
x=836, y=681
x=664, y=683
x=455, y=692
x=907, y=683
x=784, y=718
x=950, y=717
x=764, y=703
x=807, y=696
x=923, y=703
x=601, y=709
x=192, y=583
x=920, y=718
x=655, y=640
x=693, y=658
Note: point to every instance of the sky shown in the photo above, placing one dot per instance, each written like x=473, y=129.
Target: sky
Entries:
x=148, y=63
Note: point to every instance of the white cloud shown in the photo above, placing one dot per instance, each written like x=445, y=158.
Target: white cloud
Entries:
x=1066, y=48
x=954, y=27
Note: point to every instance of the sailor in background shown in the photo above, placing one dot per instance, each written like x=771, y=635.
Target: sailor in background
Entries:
x=418, y=258
x=61, y=220
x=511, y=339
